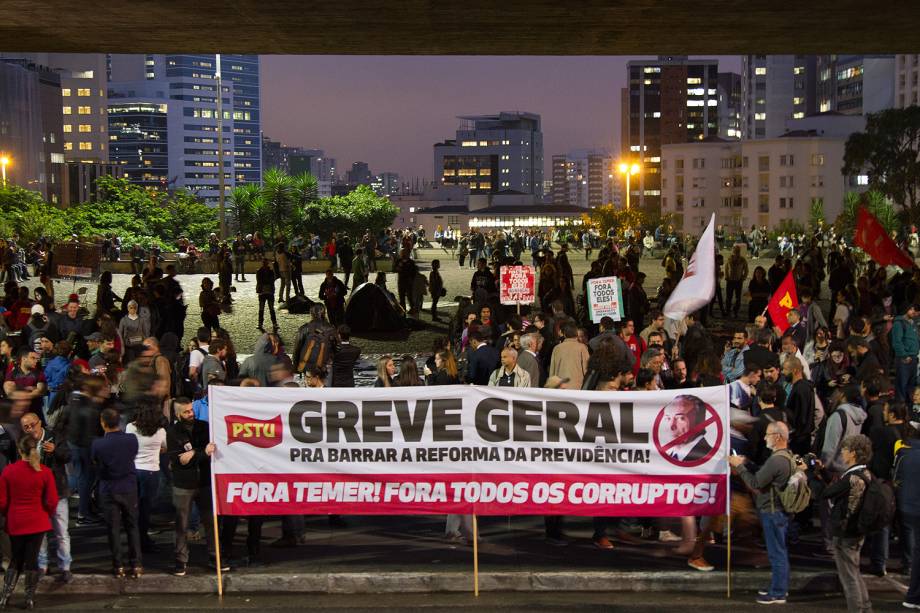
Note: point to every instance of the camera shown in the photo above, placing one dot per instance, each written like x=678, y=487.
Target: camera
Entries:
x=809, y=460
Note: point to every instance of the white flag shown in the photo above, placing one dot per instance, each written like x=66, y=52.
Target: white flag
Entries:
x=698, y=285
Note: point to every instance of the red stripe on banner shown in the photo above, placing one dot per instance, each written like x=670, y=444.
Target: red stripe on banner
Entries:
x=621, y=495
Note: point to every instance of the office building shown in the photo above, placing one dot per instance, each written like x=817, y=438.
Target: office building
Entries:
x=187, y=84
x=907, y=80
x=775, y=89
x=729, y=105
x=759, y=182
x=671, y=100
x=314, y=161
x=81, y=184
x=855, y=84
x=31, y=130
x=386, y=184
x=584, y=178
x=139, y=129
x=492, y=154
x=360, y=174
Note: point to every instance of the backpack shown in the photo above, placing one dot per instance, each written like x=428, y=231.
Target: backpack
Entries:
x=317, y=349
x=796, y=494
x=183, y=384
x=821, y=433
x=878, y=506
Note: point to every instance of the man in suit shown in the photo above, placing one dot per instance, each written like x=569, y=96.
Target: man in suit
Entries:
x=682, y=416
x=483, y=357
x=530, y=361
x=343, y=361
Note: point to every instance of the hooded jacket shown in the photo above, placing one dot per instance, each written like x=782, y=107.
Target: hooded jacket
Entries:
x=259, y=364
x=838, y=428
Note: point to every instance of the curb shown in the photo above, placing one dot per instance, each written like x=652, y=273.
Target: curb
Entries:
x=422, y=582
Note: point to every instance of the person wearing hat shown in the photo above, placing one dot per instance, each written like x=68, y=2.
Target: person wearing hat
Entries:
x=906, y=345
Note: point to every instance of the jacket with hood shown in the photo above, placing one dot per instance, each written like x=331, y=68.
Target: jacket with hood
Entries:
x=835, y=433
x=904, y=339
x=521, y=376
x=259, y=364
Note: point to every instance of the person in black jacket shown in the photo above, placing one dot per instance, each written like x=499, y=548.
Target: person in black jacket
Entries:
x=343, y=361
x=189, y=450
x=846, y=495
x=83, y=427
x=483, y=357
x=265, y=288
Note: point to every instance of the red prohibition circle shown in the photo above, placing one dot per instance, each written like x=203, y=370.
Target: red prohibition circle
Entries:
x=711, y=417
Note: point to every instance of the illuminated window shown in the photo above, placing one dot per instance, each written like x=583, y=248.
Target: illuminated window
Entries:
x=84, y=91
x=651, y=69
x=760, y=70
x=86, y=74
x=760, y=116
x=67, y=110
x=68, y=128
x=84, y=146
x=469, y=143
x=68, y=146
x=798, y=70
x=798, y=100
x=862, y=180
x=817, y=159
x=798, y=115
x=84, y=110
x=65, y=91
x=694, y=80
x=85, y=127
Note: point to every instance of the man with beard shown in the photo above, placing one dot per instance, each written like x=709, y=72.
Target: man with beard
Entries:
x=190, y=451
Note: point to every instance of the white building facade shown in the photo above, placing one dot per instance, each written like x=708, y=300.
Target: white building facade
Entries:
x=755, y=182
x=907, y=80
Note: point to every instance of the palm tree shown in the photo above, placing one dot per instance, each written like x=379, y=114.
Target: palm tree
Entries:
x=279, y=194
x=306, y=188
x=247, y=208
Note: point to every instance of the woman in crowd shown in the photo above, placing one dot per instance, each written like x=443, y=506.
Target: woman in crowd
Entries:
x=151, y=440
x=408, y=373
x=759, y=292
x=210, y=305
x=133, y=329
x=386, y=372
x=28, y=496
x=445, y=371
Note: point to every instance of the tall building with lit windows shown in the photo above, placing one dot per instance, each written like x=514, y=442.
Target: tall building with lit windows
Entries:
x=672, y=99
x=584, y=178
x=186, y=84
x=493, y=154
x=855, y=84
x=774, y=90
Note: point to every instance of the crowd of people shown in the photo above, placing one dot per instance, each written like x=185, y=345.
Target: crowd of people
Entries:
x=102, y=405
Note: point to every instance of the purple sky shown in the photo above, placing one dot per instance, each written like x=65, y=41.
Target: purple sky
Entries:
x=389, y=110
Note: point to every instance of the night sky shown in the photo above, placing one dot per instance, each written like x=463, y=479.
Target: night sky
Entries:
x=389, y=110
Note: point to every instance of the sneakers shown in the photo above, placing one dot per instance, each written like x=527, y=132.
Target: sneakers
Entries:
x=88, y=521
x=766, y=599
x=119, y=573
x=65, y=577
x=603, y=543
x=224, y=567
x=878, y=572
x=180, y=570
x=666, y=536
x=700, y=564
x=136, y=572
x=910, y=605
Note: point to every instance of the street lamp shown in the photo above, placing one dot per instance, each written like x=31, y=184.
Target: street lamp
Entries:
x=628, y=170
x=4, y=161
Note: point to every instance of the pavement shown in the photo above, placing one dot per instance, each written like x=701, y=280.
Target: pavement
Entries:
x=408, y=554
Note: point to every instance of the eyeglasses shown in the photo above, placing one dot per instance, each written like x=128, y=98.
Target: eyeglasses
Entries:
x=28, y=427
x=771, y=434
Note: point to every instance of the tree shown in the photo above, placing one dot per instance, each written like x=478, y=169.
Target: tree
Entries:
x=816, y=214
x=278, y=192
x=875, y=202
x=609, y=216
x=248, y=213
x=889, y=150
x=352, y=213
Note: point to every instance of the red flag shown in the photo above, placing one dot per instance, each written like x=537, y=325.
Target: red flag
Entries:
x=872, y=238
x=784, y=299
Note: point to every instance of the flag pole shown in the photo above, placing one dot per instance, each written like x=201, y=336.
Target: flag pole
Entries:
x=475, y=557
x=220, y=577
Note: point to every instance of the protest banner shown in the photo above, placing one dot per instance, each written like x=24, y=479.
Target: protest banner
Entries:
x=516, y=284
x=469, y=449
x=605, y=298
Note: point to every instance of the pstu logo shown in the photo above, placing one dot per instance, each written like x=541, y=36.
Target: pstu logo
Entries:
x=256, y=432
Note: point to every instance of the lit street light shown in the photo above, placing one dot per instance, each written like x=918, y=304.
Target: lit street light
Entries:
x=4, y=161
x=628, y=170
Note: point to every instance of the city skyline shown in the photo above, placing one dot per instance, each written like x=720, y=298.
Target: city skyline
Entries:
x=368, y=108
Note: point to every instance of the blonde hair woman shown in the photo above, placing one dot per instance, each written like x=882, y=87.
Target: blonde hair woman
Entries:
x=386, y=372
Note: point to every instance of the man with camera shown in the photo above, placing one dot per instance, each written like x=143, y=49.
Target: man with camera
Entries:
x=769, y=478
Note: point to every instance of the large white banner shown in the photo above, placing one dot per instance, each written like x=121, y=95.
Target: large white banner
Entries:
x=469, y=449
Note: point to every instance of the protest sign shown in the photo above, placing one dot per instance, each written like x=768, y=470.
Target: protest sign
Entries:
x=516, y=284
x=605, y=298
x=469, y=449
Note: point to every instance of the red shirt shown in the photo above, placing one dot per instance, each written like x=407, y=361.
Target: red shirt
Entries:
x=21, y=312
x=27, y=498
x=637, y=346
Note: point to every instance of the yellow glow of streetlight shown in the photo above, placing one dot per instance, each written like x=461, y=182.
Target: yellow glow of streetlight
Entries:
x=4, y=161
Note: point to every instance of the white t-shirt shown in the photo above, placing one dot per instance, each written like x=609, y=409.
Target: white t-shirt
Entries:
x=195, y=358
x=148, y=448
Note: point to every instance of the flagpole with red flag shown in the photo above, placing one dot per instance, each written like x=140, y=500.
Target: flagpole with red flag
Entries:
x=783, y=300
x=872, y=238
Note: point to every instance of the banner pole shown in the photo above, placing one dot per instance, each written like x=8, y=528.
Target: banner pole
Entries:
x=475, y=557
x=220, y=578
x=728, y=563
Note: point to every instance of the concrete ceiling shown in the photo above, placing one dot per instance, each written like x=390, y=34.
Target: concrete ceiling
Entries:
x=468, y=27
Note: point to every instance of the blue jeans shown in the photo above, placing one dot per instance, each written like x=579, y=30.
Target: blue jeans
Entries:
x=774, y=533
x=85, y=476
x=148, y=483
x=59, y=522
x=905, y=378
